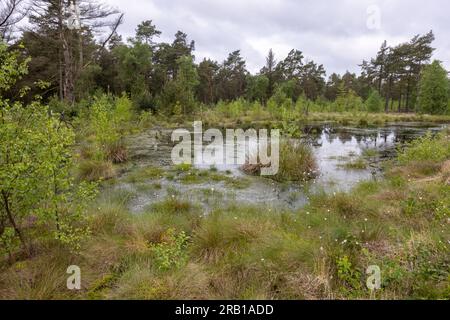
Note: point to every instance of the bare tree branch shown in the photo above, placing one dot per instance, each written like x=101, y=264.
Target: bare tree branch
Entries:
x=116, y=25
x=94, y=18
x=114, y=28
x=11, y=13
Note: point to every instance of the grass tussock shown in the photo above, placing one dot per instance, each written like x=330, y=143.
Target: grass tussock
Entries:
x=95, y=170
x=117, y=153
x=144, y=174
x=297, y=163
x=358, y=164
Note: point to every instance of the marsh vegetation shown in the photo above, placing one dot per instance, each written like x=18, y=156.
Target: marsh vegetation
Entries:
x=86, y=176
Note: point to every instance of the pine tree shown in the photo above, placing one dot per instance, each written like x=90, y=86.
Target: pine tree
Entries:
x=48, y=19
x=269, y=70
x=181, y=90
x=207, y=89
x=146, y=31
x=434, y=91
x=374, y=102
x=232, y=77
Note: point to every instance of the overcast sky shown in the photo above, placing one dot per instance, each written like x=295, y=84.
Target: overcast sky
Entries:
x=338, y=34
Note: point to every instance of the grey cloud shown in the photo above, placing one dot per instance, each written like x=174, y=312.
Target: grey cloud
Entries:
x=333, y=33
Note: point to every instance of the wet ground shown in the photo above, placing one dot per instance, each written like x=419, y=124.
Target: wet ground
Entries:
x=334, y=147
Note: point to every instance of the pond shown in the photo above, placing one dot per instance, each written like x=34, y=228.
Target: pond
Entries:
x=335, y=147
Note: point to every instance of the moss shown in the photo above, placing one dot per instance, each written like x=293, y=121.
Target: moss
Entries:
x=95, y=292
x=370, y=153
x=184, y=167
x=196, y=176
x=144, y=174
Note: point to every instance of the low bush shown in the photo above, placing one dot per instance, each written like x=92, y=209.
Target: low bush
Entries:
x=171, y=251
x=428, y=148
x=108, y=121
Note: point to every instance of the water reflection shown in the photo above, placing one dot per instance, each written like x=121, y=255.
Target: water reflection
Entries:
x=332, y=145
x=335, y=146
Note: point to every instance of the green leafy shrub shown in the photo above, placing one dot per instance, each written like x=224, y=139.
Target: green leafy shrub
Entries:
x=232, y=109
x=35, y=164
x=102, y=126
x=35, y=181
x=145, y=119
x=427, y=148
x=8, y=241
x=348, y=274
x=11, y=69
x=434, y=89
x=122, y=113
x=109, y=120
x=348, y=101
x=171, y=252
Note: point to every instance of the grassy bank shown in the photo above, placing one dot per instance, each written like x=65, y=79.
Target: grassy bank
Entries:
x=248, y=119
x=356, y=118
x=173, y=251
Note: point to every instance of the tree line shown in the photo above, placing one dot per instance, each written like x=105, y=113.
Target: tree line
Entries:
x=74, y=64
